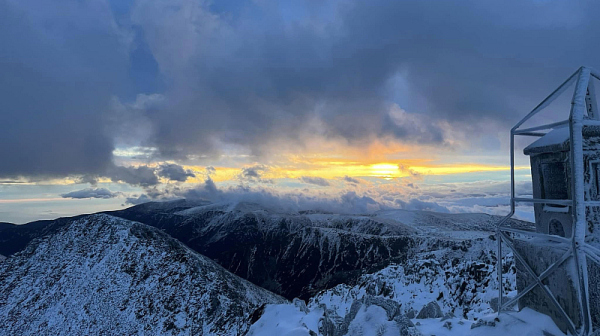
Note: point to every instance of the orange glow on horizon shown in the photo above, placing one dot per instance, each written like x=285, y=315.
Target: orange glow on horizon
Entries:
x=337, y=169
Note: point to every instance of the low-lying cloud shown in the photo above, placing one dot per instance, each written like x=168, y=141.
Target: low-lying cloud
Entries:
x=319, y=181
x=91, y=193
x=174, y=172
x=365, y=199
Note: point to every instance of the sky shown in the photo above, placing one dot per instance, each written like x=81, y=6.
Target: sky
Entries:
x=349, y=106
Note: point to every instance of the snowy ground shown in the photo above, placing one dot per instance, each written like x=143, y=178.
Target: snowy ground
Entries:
x=460, y=283
x=527, y=322
x=289, y=320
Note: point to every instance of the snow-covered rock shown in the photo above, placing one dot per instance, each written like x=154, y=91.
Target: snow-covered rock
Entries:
x=431, y=310
x=101, y=275
x=460, y=278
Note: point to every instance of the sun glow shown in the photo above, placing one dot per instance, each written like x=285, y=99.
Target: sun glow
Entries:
x=385, y=170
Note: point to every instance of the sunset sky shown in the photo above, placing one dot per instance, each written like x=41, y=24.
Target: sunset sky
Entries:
x=349, y=106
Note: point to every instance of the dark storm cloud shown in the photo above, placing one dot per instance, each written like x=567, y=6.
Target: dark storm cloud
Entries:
x=59, y=65
x=91, y=193
x=264, y=77
x=315, y=180
x=142, y=176
x=147, y=176
x=268, y=78
x=174, y=172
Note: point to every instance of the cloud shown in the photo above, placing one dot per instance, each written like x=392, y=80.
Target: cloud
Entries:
x=253, y=174
x=210, y=170
x=174, y=172
x=451, y=73
x=92, y=180
x=143, y=176
x=344, y=202
x=147, y=176
x=56, y=84
x=319, y=181
x=415, y=204
x=351, y=179
x=191, y=79
x=403, y=169
x=91, y=193
x=139, y=199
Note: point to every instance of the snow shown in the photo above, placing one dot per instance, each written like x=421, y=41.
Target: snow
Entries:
x=286, y=320
x=557, y=136
x=461, y=281
x=527, y=322
x=102, y=273
x=372, y=321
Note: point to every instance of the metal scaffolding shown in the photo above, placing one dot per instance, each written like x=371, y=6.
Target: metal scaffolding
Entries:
x=583, y=113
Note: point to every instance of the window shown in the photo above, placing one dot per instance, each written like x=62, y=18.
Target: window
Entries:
x=595, y=171
x=554, y=180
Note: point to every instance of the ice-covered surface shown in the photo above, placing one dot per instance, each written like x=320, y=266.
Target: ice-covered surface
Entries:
x=106, y=275
x=557, y=136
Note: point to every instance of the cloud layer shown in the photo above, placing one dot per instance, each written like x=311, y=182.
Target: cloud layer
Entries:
x=196, y=79
x=489, y=197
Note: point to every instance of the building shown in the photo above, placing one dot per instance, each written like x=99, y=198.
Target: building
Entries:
x=552, y=179
x=558, y=265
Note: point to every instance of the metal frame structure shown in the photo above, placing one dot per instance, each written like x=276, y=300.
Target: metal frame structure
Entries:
x=583, y=102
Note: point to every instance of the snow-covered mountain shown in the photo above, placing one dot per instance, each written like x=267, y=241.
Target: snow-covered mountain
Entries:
x=300, y=254
x=392, y=272
x=102, y=275
x=447, y=291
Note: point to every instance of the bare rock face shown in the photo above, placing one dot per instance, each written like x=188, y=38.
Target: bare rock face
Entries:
x=101, y=273
x=431, y=310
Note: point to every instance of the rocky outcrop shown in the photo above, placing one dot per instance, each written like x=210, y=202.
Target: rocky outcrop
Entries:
x=431, y=310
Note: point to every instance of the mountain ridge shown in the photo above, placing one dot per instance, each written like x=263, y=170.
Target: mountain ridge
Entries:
x=101, y=274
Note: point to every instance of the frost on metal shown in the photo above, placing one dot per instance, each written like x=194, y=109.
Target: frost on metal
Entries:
x=558, y=266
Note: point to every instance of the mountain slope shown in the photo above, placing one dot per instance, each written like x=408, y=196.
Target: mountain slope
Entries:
x=101, y=275
x=266, y=247
x=294, y=255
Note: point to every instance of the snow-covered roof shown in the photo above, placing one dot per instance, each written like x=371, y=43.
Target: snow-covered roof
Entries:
x=554, y=141
x=557, y=140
